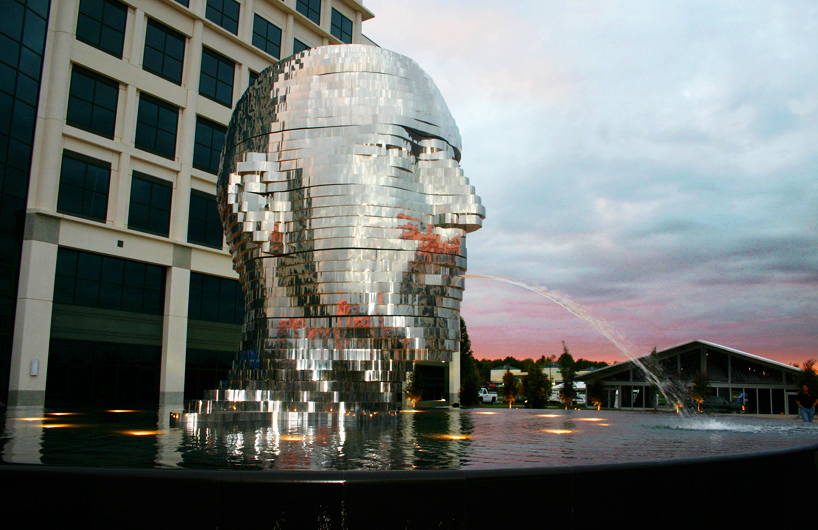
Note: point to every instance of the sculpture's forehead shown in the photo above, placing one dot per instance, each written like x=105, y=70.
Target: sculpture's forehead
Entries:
x=341, y=86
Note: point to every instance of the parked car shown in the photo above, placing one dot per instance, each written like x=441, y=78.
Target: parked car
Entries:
x=715, y=404
x=487, y=397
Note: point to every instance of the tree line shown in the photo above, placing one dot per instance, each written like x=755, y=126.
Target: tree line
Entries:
x=536, y=386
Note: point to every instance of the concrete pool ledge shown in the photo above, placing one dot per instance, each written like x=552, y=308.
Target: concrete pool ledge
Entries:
x=737, y=491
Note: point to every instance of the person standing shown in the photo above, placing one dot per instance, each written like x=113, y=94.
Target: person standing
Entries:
x=806, y=401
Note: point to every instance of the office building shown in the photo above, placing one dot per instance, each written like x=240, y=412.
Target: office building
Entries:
x=112, y=118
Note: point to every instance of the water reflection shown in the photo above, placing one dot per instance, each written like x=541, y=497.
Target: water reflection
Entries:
x=440, y=439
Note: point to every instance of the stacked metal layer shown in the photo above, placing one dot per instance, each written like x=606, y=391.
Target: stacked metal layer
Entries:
x=345, y=210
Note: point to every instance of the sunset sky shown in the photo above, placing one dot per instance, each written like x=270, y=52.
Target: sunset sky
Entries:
x=655, y=162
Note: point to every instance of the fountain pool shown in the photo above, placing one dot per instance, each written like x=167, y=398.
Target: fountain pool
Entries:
x=427, y=469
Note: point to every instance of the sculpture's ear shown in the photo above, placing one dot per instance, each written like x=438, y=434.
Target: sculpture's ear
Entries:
x=249, y=198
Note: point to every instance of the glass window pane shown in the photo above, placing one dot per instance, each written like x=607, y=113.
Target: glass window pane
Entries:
x=341, y=27
x=164, y=52
x=92, y=102
x=225, y=13
x=310, y=9
x=216, y=78
x=101, y=23
x=83, y=186
x=156, y=126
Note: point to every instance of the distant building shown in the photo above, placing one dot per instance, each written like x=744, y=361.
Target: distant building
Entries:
x=553, y=372
x=765, y=386
x=497, y=373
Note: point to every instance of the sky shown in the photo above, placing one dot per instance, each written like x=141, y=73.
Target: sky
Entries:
x=654, y=162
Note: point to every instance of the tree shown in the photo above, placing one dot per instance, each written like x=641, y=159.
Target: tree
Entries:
x=510, y=388
x=528, y=364
x=414, y=389
x=808, y=375
x=653, y=365
x=536, y=387
x=469, y=377
x=698, y=388
x=568, y=371
x=584, y=364
x=595, y=392
x=654, y=373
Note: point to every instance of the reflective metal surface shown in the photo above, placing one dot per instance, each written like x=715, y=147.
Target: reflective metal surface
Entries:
x=346, y=212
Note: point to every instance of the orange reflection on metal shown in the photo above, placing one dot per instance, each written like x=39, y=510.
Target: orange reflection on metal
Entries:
x=30, y=419
x=120, y=410
x=549, y=415
x=292, y=438
x=557, y=431
x=61, y=413
x=411, y=411
x=590, y=419
x=57, y=425
x=486, y=412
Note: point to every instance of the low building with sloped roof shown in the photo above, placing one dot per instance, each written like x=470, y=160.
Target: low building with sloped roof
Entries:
x=760, y=385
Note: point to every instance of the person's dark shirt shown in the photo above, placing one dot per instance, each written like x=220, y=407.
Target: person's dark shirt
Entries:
x=806, y=400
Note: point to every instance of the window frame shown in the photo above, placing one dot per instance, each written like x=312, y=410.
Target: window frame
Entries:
x=340, y=26
x=264, y=38
x=310, y=9
x=217, y=15
x=155, y=183
x=220, y=299
x=298, y=43
x=87, y=283
x=198, y=146
x=208, y=222
x=161, y=105
x=171, y=33
x=221, y=61
x=64, y=203
x=91, y=20
x=78, y=96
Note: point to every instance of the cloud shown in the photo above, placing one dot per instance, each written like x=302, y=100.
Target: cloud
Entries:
x=655, y=161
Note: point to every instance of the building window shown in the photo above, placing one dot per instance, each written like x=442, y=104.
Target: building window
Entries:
x=156, y=126
x=215, y=299
x=149, y=210
x=164, y=52
x=299, y=46
x=103, y=373
x=84, y=186
x=92, y=102
x=208, y=146
x=204, y=370
x=225, y=13
x=216, y=80
x=266, y=36
x=204, y=225
x=93, y=280
x=253, y=76
x=185, y=3
x=101, y=23
x=341, y=27
x=23, y=30
x=310, y=9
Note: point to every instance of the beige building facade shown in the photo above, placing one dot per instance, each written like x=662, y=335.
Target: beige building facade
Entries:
x=125, y=289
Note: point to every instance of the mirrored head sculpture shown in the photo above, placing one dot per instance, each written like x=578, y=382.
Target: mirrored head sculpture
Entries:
x=345, y=211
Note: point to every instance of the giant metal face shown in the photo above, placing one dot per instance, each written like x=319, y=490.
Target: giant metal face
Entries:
x=345, y=210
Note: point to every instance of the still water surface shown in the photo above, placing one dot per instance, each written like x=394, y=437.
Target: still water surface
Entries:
x=437, y=439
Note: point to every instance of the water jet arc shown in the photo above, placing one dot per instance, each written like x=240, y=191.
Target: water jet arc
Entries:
x=600, y=326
